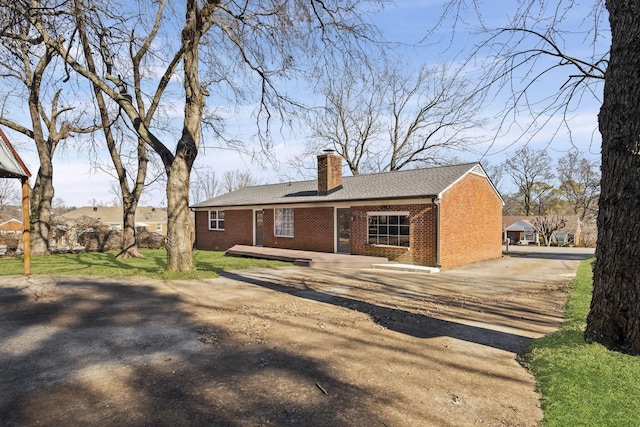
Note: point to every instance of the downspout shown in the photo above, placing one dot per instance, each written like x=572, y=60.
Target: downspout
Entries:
x=436, y=202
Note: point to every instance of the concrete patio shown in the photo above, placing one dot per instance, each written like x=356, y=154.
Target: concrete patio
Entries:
x=307, y=258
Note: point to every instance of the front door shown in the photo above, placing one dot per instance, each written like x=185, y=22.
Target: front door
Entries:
x=343, y=229
x=258, y=228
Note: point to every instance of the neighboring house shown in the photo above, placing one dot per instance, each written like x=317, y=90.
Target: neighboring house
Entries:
x=521, y=231
x=11, y=227
x=9, y=212
x=441, y=217
x=153, y=220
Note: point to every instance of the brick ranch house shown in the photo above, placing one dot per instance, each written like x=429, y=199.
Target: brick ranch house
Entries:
x=439, y=217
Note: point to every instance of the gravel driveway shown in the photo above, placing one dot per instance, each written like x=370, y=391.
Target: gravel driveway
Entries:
x=273, y=347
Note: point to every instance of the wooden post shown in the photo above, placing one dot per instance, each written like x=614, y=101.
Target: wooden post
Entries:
x=26, y=232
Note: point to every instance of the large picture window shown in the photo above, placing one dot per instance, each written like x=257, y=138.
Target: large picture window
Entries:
x=216, y=220
x=283, y=222
x=388, y=228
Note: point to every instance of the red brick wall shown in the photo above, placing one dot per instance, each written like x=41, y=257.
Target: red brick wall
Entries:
x=329, y=172
x=470, y=223
x=470, y=228
x=422, y=234
x=312, y=230
x=238, y=230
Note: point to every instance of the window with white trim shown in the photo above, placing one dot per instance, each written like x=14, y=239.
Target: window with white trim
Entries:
x=388, y=228
x=283, y=222
x=216, y=220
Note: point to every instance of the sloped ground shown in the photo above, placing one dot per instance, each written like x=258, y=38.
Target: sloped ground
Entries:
x=290, y=346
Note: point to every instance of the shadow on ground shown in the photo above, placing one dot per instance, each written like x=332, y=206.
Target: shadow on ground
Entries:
x=402, y=321
x=79, y=352
x=565, y=255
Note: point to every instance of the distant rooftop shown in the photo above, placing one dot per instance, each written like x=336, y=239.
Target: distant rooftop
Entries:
x=113, y=214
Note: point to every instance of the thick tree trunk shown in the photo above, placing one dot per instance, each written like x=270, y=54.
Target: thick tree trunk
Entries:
x=179, y=228
x=614, y=318
x=43, y=191
x=179, y=242
x=41, y=198
x=129, y=243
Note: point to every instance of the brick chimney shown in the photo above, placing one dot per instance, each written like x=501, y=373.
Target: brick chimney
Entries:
x=329, y=172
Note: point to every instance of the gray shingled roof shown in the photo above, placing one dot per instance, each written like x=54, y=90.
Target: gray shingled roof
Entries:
x=403, y=184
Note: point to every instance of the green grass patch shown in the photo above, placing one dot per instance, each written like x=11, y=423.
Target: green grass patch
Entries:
x=583, y=384
x=154, y=265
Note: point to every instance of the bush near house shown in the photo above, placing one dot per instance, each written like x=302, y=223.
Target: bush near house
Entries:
x=149, y=240
x=10, y=242
x=89, y=235
x=100, y=239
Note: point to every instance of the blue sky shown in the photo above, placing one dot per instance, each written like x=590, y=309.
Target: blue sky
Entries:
x=407, y=22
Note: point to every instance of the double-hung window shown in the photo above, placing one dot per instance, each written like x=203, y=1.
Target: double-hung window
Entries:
x=283, y=222
x=216, y=220
x=388, y=228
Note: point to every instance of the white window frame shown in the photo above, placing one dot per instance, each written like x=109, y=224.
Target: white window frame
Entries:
x=217, y=223
x=388, y=236
x=283, y=222
x=158, y=227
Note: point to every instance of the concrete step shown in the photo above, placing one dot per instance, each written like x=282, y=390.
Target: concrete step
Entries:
x=408, y=267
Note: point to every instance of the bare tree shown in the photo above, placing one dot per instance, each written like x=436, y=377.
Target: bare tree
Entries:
x=541, y=62
x=9, y=194
x=547, y=225
x=130, y=185
x=614, y=318
x=59, y=206
x=246, y=42
x=496, y=174
x=391, y=119
x=30, y=70
x=233, y=180
x=430, y=113
x=579, y=184
x=349, y=122
x=205, y=185
x=545, y=198
x=530, y=172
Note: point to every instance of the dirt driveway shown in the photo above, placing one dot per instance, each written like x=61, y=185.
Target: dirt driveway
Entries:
x=290, y=346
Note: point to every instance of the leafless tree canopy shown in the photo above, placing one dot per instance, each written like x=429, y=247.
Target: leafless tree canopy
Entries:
x=8, y=192
x=547, y=225
x=545, y=59
x=204, y=185
x=531, y=173
x=35, y=85
x=236, y=179
x=207, y=185
x=160, y=63
x=579, y=184
x=389, y=119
